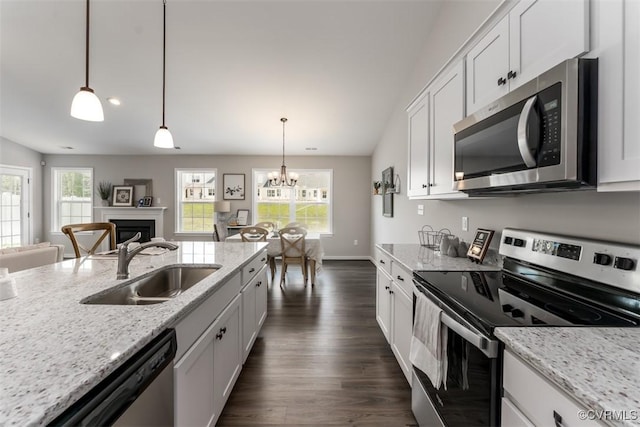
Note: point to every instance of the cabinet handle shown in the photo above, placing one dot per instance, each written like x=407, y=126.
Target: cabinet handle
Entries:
x=391, y=292
x=401, y=278
x=252, y=270
x=511, y=75
x=223, y=330
x=431, y=184
x=502, y=81
x=263, y=260
x=386, y=287
x=557, y=418
x=259, y=283
x=382, y=261
x=218, y=336
x=424, y=185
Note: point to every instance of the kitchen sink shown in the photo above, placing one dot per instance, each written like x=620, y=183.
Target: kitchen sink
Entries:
x=156, y=288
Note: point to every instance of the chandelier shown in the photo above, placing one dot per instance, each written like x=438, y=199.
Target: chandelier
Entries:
x=282, y=179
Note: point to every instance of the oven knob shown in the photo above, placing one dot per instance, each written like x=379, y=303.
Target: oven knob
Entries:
x=517, y=313
x=508, y=240
x=601, y=259
x=518, y=242
x=624, y=263
x=507, y=308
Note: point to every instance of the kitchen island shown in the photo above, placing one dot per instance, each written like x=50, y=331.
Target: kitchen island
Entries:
x=54, y=349
x=598, y=367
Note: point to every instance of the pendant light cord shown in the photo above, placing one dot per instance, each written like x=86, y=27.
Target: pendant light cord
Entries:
x=86, y=51
x=164, y=52
x=283, y=120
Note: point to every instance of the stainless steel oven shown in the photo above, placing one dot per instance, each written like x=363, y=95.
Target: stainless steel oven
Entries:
x=546, y=280
x=541, y=136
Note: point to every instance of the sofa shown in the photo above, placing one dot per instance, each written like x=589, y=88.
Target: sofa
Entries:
x=30, y=256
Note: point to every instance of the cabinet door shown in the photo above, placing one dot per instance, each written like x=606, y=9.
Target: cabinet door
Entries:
x=193, y=383
x=402, y=326
x=618, y=44
x=383, y=302
x=486, y=64
x=261, y=299
x=249, y=320
x=447, y=108
x=542, y=34
x=418, y=162
x=227, y=354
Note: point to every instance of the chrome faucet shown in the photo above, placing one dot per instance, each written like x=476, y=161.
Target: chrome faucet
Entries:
x=125, y=256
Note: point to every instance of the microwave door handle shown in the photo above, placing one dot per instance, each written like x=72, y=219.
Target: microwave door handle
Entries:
x=523, y=138
x=487, y=346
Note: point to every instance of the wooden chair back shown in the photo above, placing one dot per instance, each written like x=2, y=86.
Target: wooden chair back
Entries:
x=254, y=234
x=269, y=226
x=292, y=240
x=108, y=230
x=296, y=225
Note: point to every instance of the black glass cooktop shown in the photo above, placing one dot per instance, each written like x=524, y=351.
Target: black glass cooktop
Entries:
x=522, y=295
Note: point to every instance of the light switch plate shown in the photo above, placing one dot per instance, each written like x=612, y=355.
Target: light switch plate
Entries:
x=465, y=223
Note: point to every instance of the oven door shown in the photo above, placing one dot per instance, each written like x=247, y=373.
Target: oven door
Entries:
x=473, y=381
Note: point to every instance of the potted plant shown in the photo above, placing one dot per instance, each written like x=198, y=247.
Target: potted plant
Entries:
x=376, y=187
x=104, y=191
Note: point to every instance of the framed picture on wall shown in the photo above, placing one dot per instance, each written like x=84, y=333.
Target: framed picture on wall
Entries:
x=387, y=196
x=122, y=195
x=233, y=186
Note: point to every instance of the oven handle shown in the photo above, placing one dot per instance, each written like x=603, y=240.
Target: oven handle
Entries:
x=487, y=346
x=523, y=138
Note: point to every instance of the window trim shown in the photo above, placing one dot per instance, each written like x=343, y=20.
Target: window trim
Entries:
x=54, y=193
x=178, y=201
x=254, y=208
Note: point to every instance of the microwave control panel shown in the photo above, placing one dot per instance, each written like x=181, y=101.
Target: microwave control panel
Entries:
x=550, y=105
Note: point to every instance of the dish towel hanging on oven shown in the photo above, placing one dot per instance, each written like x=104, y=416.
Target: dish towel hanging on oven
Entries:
x=429, y=341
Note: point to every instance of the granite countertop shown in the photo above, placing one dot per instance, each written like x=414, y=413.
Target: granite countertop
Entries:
x=53, y=349
x=599, y=367
x=415, y=257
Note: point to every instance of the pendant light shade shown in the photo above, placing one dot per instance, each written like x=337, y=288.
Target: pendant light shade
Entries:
x=86, y=105
x=163, y=137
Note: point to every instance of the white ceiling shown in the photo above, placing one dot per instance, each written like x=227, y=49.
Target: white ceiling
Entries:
x=334, y=68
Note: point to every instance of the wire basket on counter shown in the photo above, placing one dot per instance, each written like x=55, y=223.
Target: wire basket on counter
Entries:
x=432, y=238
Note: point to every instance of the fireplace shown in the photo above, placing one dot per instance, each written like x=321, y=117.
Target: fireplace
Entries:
x=152, y=215
x=127, y=228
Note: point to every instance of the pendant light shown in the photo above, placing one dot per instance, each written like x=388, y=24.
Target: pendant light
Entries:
x=163, y=138
x=282, y=180
x=86, y=105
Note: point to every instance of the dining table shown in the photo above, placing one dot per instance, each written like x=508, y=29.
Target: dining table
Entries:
x=312, y=246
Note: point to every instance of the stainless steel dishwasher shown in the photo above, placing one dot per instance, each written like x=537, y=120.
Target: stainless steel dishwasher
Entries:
x=138, y=393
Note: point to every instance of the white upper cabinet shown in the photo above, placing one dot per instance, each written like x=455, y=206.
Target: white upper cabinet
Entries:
x=447, y=108
x=533, y=37
x=617, y=45
x=418, y=162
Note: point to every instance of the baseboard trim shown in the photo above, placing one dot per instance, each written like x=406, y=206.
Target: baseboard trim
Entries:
x=347, y=258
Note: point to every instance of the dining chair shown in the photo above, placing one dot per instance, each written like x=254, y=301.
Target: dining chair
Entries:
x=292, y=241
x=107, y=228
x=296, y=225
x=259, y=234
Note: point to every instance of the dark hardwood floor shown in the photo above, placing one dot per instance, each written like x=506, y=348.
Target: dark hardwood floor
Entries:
x=321, y=358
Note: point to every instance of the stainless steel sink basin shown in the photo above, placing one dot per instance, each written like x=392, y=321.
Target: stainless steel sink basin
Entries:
x=156, y=288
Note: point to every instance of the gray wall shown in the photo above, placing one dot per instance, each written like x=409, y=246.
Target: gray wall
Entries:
x=12, y=154
x=351, y=189
x=611, y=216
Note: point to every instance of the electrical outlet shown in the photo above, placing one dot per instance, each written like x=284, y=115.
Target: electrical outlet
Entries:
x=420, y=209
x=465, y=223
x=355, y=242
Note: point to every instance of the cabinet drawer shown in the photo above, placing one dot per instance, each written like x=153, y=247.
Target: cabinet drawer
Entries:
x=537, y=398
x=402, y=277
x=251, y=269
x=383, y=260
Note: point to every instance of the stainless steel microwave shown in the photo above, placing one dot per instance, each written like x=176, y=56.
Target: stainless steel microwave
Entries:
x=542, y=136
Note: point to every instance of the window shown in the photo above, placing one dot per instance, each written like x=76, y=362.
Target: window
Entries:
x=72, y=196
x=308, y=202
x=14, y=206
x=195, y=194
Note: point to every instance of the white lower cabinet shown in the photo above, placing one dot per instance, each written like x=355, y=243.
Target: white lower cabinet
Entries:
x=532, y=400
x=394, y=309
x=205, y=375
x=254, y=310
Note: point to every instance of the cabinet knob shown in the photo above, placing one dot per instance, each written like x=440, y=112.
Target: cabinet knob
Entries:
x=263, y=260
x=382, y=261
x=223, y=330
x=424, y=185
x=511, y=74
x=391, y=292
x=401, y=278
x=259, y=283
x=502, y=81
x=386, y=287
x=431, y=184
x=252, y=270
x=218, y=336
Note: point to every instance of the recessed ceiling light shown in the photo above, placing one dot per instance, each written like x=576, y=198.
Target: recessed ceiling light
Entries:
x=311, y=148
x=113, y=101
x=66, y=147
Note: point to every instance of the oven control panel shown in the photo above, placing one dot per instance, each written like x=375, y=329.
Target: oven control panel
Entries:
x=611, y=263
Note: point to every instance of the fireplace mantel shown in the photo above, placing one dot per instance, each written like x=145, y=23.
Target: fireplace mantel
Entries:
x=156, y=213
